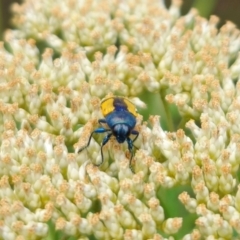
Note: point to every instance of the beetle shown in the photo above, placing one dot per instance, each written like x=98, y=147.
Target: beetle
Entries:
x=120, y=118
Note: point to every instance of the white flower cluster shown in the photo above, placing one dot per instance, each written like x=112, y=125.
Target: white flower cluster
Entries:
x=49, y=107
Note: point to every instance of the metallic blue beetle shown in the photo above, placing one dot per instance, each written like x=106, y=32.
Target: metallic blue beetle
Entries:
x=120, y=117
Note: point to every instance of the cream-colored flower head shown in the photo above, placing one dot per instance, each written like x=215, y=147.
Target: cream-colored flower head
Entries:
x=50, y=104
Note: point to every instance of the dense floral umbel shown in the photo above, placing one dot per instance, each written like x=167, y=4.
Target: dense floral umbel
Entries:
x=49, y=106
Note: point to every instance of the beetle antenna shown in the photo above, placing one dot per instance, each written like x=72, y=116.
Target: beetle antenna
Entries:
x=89, y=140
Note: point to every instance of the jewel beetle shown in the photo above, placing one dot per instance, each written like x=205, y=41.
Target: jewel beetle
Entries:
x=120, y=120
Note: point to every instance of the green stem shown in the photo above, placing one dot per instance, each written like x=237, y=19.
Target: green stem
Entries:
x=1, y=20
x=205, y=7
x=182, y=123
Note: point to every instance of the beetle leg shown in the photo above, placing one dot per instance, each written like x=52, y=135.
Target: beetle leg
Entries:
x=130, y=148
x=102, y=121
x=134, y=132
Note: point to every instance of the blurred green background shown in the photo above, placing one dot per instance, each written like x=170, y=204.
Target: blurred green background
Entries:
x=226, y=10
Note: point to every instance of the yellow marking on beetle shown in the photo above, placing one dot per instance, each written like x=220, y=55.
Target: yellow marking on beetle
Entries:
x=131, y=107
x=107, y=105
